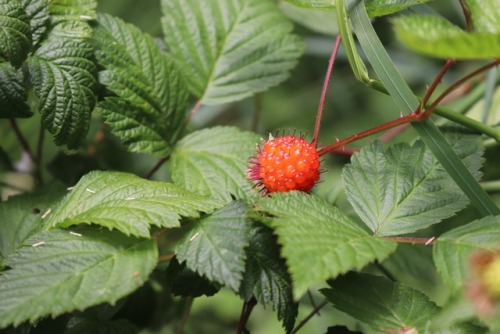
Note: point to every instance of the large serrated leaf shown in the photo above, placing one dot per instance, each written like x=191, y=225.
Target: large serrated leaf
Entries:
x=386, y=306
x=72, y=10
x=64, y=79
x=127, y=203
x=323, y=4
x=213, y=162
x=61, y=271
x=15, y=32
x=229, y=49
x=403, y=188
x=319, y=20
x=148, y=110
x=453, y=249
x=13, y=94
x=437, y=37
x=21, y=217
x=38, y=13
x=215, y=247
x=266, y=277
x=310, y=228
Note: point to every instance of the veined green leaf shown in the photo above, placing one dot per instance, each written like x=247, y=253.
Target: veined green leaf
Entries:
x=38, y=13
x=266, y=277
x=385, y=7
x=324, y=4
x=15, y=32
x=229, y=49
x=213, y=162
x=440, y=38
x=64, y=77
x=60, y=271
x=127, y=203
x=215, y=247
x=310, y=228
x=384, y=305
x=148, y=110
x=485, y=15
x=453, y=249
x=21, y=217
x=13, y=95
x=72, y=10
x=402, y=189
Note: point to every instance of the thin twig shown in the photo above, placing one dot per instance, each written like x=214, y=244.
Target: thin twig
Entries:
x=435, y=83
x=457, y=84
x=322, y=100
x=39, y=156
x=165, y=258
x=467, y=15
x=308, y=317
x=22, y=139
x=245, y=315
x=311, y=299
x=185, y=315
x=155, y=168
x=193, y=111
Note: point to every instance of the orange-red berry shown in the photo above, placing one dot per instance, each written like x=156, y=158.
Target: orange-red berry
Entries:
x=284, y=164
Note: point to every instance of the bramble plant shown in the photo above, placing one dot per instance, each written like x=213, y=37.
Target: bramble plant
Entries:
x=123, y=208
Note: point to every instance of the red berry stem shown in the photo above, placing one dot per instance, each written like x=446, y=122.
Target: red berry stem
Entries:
x=422, y=241
x=322, y=99
x=435, y=83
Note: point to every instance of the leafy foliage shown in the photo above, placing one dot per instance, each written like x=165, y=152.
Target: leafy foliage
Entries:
x=60, y=271
x=127, y=203
x=69, y=17
x=64, y=78
x=385, y=7
x=453, y=249
x=440, y=38
x=380, y=303
x=39, y=18
x=213, y=161
x=12, y=93
x=485, y=15
x=308, y=227
x=215, y=246
x=148, y=110
x=21, y=217
x=403, y=188
x=229, y=49
x=15, y=32
x=324, y=4
x=266, y=276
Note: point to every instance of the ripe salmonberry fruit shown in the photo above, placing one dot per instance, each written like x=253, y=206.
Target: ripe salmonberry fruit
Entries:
x=285, y=163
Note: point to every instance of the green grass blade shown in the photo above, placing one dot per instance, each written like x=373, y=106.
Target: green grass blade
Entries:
x=407, y=102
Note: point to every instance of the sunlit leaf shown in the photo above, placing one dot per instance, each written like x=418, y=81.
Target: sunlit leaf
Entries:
x=38, y=13
x=385, y=7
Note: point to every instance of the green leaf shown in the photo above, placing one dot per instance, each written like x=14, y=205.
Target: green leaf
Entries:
x=70, y=17
x=215, y=247
x=38, y=13
x=229, y=49
x=385, y=7
x=13, y=94
x=15, y=32
x=61, y=271
x=324, y=4
x=127, y=203
x=213, y=162
x=403, y=188
x=64, y=77
x=438, y=37
x=319, y=241
x=148, y=110
x=21, y=217
x=453, y=250
x=485, y=15
x=322, y=21
x=384, y=305
x=266, y=277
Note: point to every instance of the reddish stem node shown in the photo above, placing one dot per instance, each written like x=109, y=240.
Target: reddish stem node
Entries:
x=410, y=240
